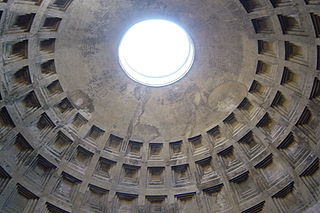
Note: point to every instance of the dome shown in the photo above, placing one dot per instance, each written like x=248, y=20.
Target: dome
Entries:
x=237, y=132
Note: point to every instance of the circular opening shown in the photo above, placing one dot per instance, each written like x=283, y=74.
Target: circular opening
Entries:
x=156, y=52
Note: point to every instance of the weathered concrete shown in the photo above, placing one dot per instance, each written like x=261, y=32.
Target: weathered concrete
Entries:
x=238, y=134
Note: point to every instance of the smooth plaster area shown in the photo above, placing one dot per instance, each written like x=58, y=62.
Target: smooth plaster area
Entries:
x=217, y=82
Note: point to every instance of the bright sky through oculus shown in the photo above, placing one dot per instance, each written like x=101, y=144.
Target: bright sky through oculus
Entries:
x=156, y=52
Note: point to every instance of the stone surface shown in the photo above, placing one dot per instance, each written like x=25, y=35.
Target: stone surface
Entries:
x=224, y=66
x=240, y=133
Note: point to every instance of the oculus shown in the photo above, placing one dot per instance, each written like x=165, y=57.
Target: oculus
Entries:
x=156, y=52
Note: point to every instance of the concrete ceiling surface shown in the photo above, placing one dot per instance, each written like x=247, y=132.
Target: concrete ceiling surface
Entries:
x=239, y=133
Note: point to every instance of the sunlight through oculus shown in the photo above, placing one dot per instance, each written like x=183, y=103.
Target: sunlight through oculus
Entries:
x=156, y=52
